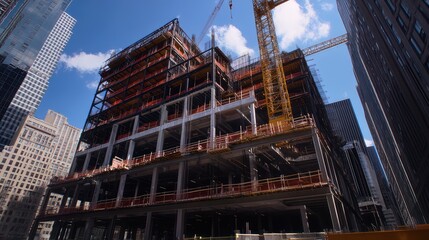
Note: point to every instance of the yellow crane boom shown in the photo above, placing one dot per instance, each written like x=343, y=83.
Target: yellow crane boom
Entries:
x=275, y=87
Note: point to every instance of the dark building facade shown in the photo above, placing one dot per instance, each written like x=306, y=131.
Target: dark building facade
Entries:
x=177, y=144
x=388, y=44
x=10, y=79
x=26, y=44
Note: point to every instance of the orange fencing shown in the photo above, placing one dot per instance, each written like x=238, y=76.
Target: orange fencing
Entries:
x=218, y=191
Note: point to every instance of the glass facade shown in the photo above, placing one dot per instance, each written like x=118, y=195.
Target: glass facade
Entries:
x=32, y=42
x=390, y=53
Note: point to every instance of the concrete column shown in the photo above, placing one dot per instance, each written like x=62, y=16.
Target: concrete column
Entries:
x=136, y=191
x=336, y=225
x=64, y=199
x=135, y=125
x=73, y=166
x=45, y=202
x=111, y=229
x=319, y=155
x=88, y=229
x=160, y=140
x=184, y=132
x=213, y=118
x=253, y=170
x=304, y=219
x=86, y=163
x=131, y=147
x=148, y=226
x=75, y=196
x=121, y=189
x=73, y=230
x=95, y=193
x=63, y=231
x=122, y=233
x=112, y=140
x=180, y=180
x=56, y=228
x=33, y=229
x=180, y=224
x=153, y=185
x=253, y=115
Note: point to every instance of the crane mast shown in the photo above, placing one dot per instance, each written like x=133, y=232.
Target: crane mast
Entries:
x=275, y=88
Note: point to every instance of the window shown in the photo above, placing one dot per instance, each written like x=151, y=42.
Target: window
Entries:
x=419, y=29
x=416, y=46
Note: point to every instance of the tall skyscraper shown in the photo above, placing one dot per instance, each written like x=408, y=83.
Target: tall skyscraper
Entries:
x=345, y=125
x=388, y=44
x=32, y=40
x=40, y=149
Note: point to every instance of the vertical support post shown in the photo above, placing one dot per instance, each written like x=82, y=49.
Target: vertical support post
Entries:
x=33, y=229
x=95, y=194
x=131, y=146
x=73, y=166
x=135, y=125
x=56, y=228
x=121, y=189
x=64, y=200
x=148, y=226
x=72, y=233
x=63, y=231
x=184, y=132
x=111, y=229
x=304, y=218
x=319, y=155
x=160, y=140
x=122, y=233
x=333, y=212
x=213, y=116
x=109, y=150
x=180, y=224
x=88, y=229
x=253, y=170
x=180, y=180
x=75, y=196
x=136, y=191
x=253, y=115
x=153, y=185
x=45, y=202
x=86, y=163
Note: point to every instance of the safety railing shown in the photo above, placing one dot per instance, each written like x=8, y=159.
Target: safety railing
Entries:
x=220, y=143
x=216, y=191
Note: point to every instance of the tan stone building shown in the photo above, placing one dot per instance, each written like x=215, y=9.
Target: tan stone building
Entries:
x=40, y=149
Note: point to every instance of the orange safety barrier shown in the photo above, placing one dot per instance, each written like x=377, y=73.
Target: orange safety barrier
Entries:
x=282, y=183
x=222, y=142
x=420, y=232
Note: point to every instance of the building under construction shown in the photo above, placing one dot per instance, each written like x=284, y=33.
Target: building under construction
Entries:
x=178, y=144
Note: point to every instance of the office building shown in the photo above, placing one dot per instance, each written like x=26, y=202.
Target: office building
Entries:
x=388, y=44
x=40, y=150
x=32, y=40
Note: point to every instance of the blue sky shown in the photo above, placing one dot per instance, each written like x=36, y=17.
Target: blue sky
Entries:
x=106, y=26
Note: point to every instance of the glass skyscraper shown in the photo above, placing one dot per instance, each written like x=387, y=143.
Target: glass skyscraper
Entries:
x=388, y=44
x=32, y=38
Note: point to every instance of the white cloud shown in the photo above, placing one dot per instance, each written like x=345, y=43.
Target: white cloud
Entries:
x=327, y=6
x=92, y=84
x=231, y=39
x=85, y=62
x=296, y=23
x=369, y=142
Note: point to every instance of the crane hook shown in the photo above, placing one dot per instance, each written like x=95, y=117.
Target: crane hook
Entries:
x=230, y=7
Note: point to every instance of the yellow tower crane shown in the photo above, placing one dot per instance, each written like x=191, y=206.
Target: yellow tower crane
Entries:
x=275, y=87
